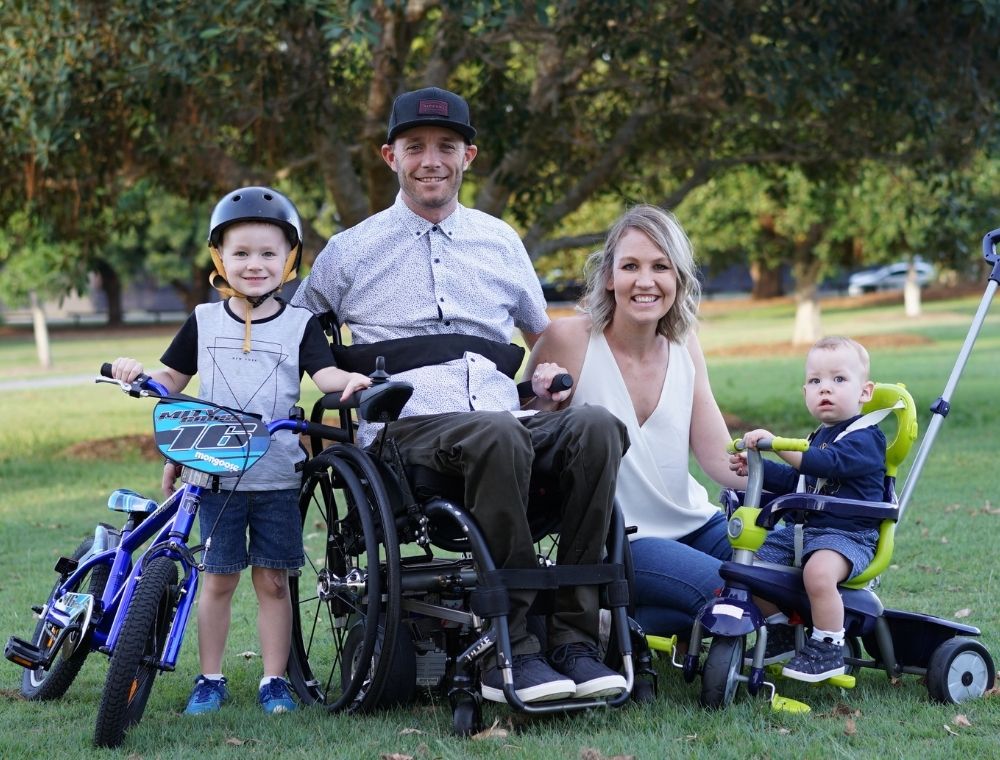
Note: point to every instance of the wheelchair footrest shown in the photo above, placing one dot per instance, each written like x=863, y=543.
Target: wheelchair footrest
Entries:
x=24, y=653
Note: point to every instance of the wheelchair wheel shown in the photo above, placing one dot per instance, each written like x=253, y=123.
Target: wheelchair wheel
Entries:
x=719, y=681
x=134, y=662
x=959, y=669
x=41, y=684
x=400, y=685
x=346, y=602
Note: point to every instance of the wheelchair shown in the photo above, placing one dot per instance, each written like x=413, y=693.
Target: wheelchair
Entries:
x=400, y=598
x=955, y=666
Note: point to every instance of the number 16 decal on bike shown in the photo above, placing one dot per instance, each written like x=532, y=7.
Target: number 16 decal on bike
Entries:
x=208, y=439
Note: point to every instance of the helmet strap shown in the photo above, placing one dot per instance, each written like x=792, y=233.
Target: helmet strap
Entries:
x=218, y=281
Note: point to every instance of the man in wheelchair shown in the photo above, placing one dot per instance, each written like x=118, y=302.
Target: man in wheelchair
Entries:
x=437, y=288
x=846, y=456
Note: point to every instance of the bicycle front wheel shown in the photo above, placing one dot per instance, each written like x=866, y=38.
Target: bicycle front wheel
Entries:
x=134, y=663
x=42, y=684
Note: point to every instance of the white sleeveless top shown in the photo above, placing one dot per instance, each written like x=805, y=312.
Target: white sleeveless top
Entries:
x=655, y=488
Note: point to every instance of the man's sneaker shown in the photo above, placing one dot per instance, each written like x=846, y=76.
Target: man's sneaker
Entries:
x=582, y=663
x=275, y=697
x=207, y=696
x=534, y=681
x=817, y=661
x=780, y=644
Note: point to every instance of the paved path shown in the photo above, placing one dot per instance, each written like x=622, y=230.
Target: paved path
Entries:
x=28, y=384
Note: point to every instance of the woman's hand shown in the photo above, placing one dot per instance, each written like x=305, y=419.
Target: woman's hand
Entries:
x=542, y=378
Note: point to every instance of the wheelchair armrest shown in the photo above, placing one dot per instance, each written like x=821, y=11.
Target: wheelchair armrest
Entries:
x=380, y=403
x=798, y=506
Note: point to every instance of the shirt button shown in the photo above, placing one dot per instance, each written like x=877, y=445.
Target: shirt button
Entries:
x=472, y=359
x=441, y=300
x=437, y=261
x=447, y=324
x=434, y=228
x=473, y=398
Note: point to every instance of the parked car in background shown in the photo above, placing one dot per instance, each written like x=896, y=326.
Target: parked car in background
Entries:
x=889, y=277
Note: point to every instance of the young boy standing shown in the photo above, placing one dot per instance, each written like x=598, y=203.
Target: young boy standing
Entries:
x=841, y=460
x=249, y=351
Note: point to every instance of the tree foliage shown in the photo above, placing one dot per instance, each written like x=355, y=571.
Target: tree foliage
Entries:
x=581, y=105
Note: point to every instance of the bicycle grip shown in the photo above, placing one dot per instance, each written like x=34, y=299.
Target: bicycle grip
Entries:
x=106, y=369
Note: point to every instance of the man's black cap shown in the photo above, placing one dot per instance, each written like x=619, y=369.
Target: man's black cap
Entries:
x=433, y=107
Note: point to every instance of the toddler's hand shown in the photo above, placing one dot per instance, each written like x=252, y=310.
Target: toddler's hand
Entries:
x=738, y=464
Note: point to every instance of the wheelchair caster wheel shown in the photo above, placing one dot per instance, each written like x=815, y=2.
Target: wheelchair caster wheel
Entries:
x=644, y=691
x=466, y=716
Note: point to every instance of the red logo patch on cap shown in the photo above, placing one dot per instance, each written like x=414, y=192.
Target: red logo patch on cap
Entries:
x=432, y=108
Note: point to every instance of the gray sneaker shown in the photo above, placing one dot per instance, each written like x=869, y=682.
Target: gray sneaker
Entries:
x=583, y=664
x=534, y=681
x=817, y=661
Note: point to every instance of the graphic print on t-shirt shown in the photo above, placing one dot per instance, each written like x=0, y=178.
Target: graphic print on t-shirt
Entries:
x=246, y=378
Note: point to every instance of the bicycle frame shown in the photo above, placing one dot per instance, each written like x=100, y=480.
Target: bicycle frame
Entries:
x=169, y=526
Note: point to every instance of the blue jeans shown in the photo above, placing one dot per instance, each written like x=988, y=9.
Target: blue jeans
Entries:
x=675, y=578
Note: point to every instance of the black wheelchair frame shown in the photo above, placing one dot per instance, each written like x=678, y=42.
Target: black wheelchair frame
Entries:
x=373, y=629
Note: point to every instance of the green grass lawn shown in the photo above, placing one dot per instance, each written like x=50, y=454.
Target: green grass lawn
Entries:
x=943, y=565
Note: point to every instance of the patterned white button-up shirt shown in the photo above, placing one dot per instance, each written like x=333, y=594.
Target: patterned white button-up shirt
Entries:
x=396, y=275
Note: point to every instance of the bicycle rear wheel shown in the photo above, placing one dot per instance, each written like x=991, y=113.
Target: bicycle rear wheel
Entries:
x=346, y=602
x=134, y=663
x=41, y=684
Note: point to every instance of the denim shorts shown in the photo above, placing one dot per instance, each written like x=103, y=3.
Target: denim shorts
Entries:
x=270, y=519
x=856, y=546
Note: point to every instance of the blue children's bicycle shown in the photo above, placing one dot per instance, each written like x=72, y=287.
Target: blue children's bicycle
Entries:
x=128, y=593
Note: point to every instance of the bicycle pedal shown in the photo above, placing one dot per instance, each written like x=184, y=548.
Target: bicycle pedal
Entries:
x=24, y=653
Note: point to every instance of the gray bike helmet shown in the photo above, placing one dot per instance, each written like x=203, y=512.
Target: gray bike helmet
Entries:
x=256, y=204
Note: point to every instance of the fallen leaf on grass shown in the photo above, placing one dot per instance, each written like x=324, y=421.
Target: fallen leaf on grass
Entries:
x=248, y=655
x=493, y=732
x=842, y=710
x=850, y=727
x=395, y=756
x=240, y=742
x=963, y=613
x=405, y=731
x=944, y=539
x=946, y=728
x=961, y=720
x=589, y=753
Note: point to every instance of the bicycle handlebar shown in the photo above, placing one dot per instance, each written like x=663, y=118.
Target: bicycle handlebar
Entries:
x=145, y=385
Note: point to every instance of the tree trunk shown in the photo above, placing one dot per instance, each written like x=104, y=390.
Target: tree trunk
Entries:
x=766, y=281
x=808, y=322
x=111, y=284
x=41, y=331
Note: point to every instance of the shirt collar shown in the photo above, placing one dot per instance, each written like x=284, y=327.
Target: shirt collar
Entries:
x=418, y=226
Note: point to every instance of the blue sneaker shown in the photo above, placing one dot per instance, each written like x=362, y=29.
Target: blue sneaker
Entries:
x=275, y=697
x=207, y=697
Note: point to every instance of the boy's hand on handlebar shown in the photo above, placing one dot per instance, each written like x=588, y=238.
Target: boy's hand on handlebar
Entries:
x=126, y=370
x=542, y=378
x=355, y=382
